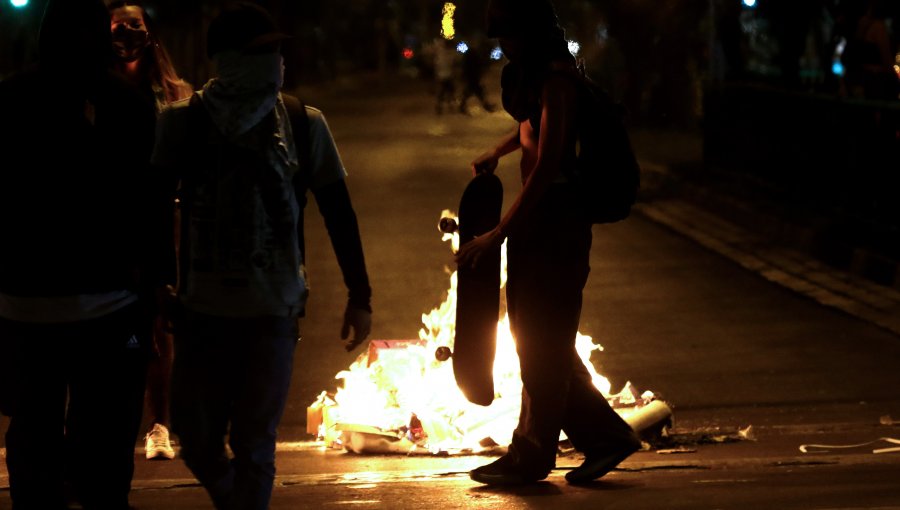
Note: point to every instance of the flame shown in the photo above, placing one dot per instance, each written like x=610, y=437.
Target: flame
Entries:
x=410, y=395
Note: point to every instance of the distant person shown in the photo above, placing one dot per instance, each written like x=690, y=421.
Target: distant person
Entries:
x=141, y=58
x=869, y=57
x=549, y=244
x=245, y=155
x=445, y=57
x=78, y=267
x=474, y=64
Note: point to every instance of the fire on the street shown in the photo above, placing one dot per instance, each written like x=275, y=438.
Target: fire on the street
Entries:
x=401, y=396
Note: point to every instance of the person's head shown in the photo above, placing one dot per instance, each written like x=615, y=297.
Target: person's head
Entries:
x=526, y=29
x=877, y=9
x=244, y=44
x=130, y=27
x=138, y=52
x=74, y=39
x=244, y=28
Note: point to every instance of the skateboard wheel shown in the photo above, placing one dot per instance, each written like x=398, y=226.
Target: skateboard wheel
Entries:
x=448, y=225
x=443, y=353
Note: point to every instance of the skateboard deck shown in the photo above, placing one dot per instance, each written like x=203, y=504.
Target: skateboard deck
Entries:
x=478, y=293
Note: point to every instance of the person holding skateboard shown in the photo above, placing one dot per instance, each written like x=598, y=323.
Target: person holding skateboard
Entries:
x=548, y=251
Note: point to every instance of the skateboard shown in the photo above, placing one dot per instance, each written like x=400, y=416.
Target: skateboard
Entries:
x=478, y=293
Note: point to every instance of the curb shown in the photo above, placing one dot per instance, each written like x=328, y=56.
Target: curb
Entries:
x=787, y=267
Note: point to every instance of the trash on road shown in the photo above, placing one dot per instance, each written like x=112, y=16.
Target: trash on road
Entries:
x=827, y=448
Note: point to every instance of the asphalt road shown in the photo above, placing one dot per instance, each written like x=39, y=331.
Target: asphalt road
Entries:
x=724, y=346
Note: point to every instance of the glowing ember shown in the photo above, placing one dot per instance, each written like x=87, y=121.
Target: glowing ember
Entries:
x=403, y=395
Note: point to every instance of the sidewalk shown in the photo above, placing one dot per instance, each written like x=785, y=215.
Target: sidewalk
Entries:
x=755, y=236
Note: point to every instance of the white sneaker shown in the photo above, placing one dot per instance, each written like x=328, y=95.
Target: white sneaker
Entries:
x=157, y=444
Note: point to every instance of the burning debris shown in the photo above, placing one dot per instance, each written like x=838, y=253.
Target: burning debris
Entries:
x=401, y=395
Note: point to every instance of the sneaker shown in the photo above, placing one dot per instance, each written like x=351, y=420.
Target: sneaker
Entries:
x=157, y=444
x=596, y=464
x=503, y=472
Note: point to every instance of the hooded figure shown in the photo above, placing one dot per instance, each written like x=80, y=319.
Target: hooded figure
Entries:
x=71, y=45
x=75, y=210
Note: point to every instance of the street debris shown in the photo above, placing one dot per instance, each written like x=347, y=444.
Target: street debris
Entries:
x=674, y=438
x=680, y=449
x=827, y=448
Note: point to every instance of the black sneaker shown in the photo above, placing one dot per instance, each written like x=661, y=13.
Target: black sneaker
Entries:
x=596, y=464
x=503, y=471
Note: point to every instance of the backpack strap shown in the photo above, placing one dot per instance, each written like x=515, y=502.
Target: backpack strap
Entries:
x=198, y=124
x=300, y=126
x=302, y=143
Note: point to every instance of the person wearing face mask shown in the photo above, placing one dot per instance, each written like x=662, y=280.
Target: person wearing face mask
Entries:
x=140, y=57
x=76, y=264
x=245, y=154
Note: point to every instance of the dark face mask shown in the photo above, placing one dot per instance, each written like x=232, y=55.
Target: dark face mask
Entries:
x=129, y=44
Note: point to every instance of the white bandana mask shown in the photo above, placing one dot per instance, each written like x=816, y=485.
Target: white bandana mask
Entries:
x=245, y=90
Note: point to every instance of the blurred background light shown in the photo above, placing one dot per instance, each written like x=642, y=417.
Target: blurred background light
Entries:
x=447, y=28
x=837, y=68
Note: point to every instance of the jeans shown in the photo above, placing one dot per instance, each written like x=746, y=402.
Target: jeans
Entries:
x=75, y=408
x=548, y=266
x=231, y=379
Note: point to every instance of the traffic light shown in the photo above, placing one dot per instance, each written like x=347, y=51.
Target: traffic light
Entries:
x=18, y=4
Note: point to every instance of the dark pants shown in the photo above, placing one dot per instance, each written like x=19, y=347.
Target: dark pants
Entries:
x=232, y=372
x=473, y=87
x=446, y=89
x=98, y=366
x=548, y=265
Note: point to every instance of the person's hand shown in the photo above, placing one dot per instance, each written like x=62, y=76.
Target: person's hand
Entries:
x=360, y=321
x=167, y=307
x=470, y=252
x=486, y=163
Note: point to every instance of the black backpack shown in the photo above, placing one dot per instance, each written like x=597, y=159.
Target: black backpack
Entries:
x=607, y=173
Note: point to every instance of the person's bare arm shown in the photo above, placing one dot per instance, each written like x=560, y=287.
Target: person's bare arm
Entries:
x=487, y=162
